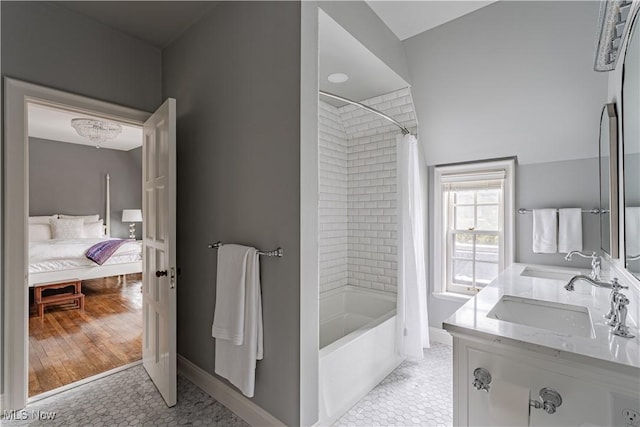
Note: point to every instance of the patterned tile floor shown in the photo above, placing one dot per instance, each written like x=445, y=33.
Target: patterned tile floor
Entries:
x=417, y=393
x=129, y=398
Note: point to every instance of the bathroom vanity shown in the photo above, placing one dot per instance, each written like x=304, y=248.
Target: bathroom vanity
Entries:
x=525, y=331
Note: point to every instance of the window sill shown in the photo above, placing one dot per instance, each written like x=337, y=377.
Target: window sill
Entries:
x=452, y=296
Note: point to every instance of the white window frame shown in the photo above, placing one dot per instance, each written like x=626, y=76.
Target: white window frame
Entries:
x=440, y=264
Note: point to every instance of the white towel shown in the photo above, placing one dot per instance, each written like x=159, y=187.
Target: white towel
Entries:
x=570, y=230
x=545, y=231
x=632, y=231
x=228, y=317
x=237, y=363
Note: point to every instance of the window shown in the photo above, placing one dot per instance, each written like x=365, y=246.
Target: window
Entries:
x=473, y=224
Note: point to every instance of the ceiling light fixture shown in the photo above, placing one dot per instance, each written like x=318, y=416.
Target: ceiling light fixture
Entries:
x=338, y=78
x=96, y=130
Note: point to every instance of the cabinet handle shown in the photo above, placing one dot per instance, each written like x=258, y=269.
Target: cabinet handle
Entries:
x=161, y=273
x=482, y=379
x=549, y=401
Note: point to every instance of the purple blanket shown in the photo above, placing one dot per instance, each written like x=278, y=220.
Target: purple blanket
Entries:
x=101, y=252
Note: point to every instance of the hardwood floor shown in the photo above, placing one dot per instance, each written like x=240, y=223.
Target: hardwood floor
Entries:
x=68, y=345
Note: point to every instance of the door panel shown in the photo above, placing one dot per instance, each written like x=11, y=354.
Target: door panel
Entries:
x=159, y=235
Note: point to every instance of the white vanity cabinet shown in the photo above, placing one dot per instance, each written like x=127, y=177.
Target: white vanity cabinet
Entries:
x=544, y=336
x=591, y=390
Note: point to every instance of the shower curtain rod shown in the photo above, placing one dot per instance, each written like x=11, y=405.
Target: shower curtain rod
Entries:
x=404, y=130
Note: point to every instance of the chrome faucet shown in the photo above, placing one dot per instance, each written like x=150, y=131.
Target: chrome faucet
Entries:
x=597, y=283
x=596, y=262
x=618, y=302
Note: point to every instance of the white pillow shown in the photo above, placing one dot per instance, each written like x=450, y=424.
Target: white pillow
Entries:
x=41, y=219
x=67, y=228
x=39, y=232
x=86, y=218
x=93, y=229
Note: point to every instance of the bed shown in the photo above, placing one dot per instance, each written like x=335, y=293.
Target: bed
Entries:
x=58, y=244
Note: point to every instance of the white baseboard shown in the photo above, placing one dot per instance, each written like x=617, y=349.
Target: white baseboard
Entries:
x=440, y=335
x=227, y=396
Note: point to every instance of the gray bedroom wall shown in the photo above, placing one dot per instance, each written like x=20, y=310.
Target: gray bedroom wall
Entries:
x=525, y=88
x=46, y=44
x=70, y=179
x=236, y=77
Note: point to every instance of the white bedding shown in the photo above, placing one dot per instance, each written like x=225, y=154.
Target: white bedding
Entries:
x=65, y=254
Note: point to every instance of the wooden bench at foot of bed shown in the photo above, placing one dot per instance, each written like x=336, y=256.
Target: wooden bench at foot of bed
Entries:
x=73, y=294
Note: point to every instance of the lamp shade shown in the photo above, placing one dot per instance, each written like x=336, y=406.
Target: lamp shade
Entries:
x=132, y=215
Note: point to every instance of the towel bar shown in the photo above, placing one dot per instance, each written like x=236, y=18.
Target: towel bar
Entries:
x=276, y=252
x=594, y=211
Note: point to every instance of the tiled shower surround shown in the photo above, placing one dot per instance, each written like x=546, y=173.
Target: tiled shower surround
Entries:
x=358, y=219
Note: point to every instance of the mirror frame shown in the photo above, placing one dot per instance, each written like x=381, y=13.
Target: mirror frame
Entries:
x=609, y=113
x=634, y=26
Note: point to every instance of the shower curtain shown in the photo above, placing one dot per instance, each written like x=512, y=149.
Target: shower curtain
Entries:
x=412, y=327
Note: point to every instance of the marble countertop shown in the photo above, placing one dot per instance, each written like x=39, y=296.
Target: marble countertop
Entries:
x=471, y=318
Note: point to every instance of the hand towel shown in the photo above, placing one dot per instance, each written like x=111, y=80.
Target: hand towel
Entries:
x=570, y=230
x=237, y=363
x=632, y=231
x=228, y=317
x=545, y=231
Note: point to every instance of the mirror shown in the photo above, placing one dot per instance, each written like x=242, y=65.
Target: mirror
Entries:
x=631, y=151
x=609, y=180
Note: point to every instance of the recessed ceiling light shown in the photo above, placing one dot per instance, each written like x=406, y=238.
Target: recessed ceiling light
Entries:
x=338, y=78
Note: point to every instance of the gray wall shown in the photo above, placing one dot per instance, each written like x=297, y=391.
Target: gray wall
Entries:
x=515, y=79
x=236, y=77
x=557, y=184
x=362, y=23
x=70, y=179
x=46, y=44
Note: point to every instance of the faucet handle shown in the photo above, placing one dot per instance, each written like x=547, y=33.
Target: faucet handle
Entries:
x=615, y=284
x=620, y=328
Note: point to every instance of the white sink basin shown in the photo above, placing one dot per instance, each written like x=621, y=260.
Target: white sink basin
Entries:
x=547, y=273
x=564, y=318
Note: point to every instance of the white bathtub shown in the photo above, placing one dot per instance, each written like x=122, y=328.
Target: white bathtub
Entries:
x=357, y=346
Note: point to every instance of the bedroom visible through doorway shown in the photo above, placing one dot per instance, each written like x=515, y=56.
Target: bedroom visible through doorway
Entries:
x=85, y=252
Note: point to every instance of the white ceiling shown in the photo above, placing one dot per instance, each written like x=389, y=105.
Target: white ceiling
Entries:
x=408, y=18
x=340, y=52
x=55, y=125
x=156, y=22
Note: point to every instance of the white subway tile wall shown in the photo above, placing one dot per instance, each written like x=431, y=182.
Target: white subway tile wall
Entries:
x=370, y=176
x=333, y=199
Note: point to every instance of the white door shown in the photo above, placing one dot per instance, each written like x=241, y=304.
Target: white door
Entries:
x=159, y=258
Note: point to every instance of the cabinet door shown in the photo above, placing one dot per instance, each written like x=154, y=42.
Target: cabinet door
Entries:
x=583, y=402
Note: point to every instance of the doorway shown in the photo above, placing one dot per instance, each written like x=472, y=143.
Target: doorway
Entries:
x=85, y=182
x=158, y=149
